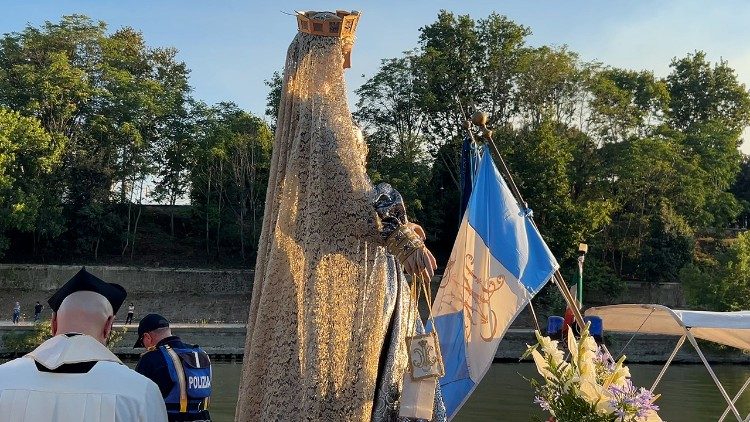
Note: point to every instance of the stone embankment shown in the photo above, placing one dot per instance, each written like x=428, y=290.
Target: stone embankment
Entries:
x=181, y=295
x=217, y=296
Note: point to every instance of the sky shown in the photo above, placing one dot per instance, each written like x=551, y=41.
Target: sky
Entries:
x=232, y=46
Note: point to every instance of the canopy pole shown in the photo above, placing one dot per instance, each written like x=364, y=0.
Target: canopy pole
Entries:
x=713, y=375
x=611, y=358
x=736, y=397
x=669, y=362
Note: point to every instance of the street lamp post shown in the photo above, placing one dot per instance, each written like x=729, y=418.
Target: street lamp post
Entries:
x=582, y=249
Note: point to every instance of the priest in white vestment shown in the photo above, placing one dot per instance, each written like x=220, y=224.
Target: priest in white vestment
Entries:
x=73, y=376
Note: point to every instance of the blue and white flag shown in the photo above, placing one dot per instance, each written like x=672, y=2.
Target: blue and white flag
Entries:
x=498, y=263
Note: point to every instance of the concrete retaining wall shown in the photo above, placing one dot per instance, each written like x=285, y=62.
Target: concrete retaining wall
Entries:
x=196, y=295
x=667, y=294
x=639, y=348
x=182, y=295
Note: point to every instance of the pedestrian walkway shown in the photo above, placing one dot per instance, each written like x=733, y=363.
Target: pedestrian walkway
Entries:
x=27, y=323
x=189, y=325
x=22, y=323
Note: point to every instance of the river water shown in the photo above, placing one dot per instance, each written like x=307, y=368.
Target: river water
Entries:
x=688, y=392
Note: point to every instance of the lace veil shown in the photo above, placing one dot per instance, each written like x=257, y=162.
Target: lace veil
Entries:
x=317, y=320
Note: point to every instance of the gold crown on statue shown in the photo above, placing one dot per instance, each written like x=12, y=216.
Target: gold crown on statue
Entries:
x=341, y=24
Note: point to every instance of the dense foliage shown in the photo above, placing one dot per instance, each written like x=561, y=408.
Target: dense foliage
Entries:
x=720, y=280
x=95, y=126
x=637, y=166
x=18, y=342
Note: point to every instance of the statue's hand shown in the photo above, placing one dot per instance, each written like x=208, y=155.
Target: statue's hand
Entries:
x=407, y=245
x=418, y=230
x=421, y=263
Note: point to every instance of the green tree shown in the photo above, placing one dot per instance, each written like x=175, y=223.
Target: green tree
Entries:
x=700, y=93
x=625, y=103
x=710, y=106
x=449, y=51
x=721, y=282
x=546, y=167
x=474, y=64
x=741, y=190
x=644, y=175
x=229, y=174
x=389, y=110
x=174, y=148
x=669, y=247
x=273, y=99
x=248, y=147
x=441, y=197
x=110, y=98
x=500, y=65
x=392, y=122
x=28, y=155
x=550, y=84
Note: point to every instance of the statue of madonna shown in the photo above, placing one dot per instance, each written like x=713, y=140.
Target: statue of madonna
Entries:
x=330, y=302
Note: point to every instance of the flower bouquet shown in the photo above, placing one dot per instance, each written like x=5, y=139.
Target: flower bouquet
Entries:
x=589, y=386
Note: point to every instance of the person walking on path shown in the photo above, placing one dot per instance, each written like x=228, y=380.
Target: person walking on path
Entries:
x=16, y=313
x=37, y=310
x=131, y=311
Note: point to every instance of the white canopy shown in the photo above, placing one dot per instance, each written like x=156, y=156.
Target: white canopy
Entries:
x=729, y=328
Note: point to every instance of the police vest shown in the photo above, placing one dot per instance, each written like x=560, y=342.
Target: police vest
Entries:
x=190, y=370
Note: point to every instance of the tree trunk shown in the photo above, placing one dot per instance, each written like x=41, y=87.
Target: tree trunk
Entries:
x=218, y=209
x=172, y=201
x=218, y=222
x=208, y=219
x=127, y=231
x=241, y=216
x=137, y=218
x=135, y=229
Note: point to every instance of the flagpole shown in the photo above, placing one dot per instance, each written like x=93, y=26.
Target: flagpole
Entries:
x=480, y=119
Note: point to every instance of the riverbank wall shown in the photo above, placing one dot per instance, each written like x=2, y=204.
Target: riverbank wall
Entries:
x=181, y=295
x=220, y=296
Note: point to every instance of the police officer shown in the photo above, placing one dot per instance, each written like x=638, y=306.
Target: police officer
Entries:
x=182, y=371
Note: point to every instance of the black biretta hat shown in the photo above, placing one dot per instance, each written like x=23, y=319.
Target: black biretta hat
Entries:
x=85, y=281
